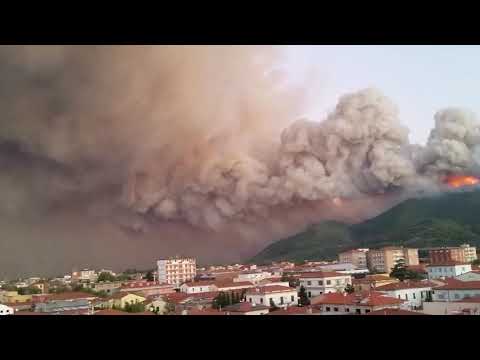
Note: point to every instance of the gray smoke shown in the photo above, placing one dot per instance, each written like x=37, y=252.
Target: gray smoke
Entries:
x=173, y=147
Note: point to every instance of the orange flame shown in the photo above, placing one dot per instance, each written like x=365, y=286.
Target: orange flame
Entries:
x=458, y=181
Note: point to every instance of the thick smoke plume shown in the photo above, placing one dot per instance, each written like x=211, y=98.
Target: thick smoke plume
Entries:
x=180, y=148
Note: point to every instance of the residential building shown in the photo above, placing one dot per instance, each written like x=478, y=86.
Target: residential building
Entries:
x=246, y=308
x=415, y=293
x=58, y=307
x=148, y=288
x=121, y=299
x=383, y=260
x=13, y=297
x=473, y=275
x=85, y=275
x=447, y=270
x=468, y=306
x=6, y=310
x=469, y=252
x=371, y=282
x=318, y=283
x=281, y=296
x=42, y=286
x=196, y=287
x=354, y=304
x=455, y=290
x=176, y=271
x=108, y=287
x=356, y=257
x=252, y=276
x=462, y=254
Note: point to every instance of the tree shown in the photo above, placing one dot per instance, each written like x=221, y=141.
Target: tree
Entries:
x=349, y=289
x=29, y=290
x=476, y=262
x=399, y=271
x=9, y=287
x=134, y=307
x=105, y=276
x=123, y=277
x=149, y=276
x=273, y=305
x=302, y=295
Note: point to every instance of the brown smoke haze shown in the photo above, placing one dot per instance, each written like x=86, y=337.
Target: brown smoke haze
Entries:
x=119, y=155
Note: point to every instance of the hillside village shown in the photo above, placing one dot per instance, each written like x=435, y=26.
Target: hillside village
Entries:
x=385, y=281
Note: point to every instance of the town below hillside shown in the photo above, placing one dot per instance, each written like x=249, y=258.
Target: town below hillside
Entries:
x=390, y=280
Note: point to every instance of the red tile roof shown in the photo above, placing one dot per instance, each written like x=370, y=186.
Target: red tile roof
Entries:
x=270, y=290
x=228, y=284
x=199, y=283
x=454, y=284
x=321, y=274
x=245, y=307
x=120, y=313
x=394, y=312
x=71, y=296
x=366, y=298
x=448, y=263
x=405, y=285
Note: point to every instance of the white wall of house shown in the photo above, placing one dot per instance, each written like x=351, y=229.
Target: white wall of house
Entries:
x=336, y=309
x=197, y=289
x=319, y=286
x=446, y=308
x=437, y=272
x=454, y=295
x=281, y=299
x=252, y=277
x=6, y=310
x=469, y=276
x=414, y=297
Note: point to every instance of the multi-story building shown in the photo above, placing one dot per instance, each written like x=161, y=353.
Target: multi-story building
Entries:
x=469, y=252
x=318, y=283
x=354, y=304
x=456, y=290
x=84, y=275
x=447, y=270
x=384, y=260
x=415, y=293
x=356, y=257
x=281, y=296
x=176, y=271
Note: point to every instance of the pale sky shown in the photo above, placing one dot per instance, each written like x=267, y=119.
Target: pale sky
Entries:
x=419, y=79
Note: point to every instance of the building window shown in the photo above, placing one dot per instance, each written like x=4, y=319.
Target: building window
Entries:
x=281, y=300
x=347, y=310
x=406, y=296
x=328, y=282
x=261, y=300
x=357, y=311
x=335, y=309
x=367, y=311
x=309, y=294
x=327, y=309
x=456, y=296
x=250, y=299
x=338, y=282
x=309, y=283
x=293, y=298
x=320, y=282
x=414, y=296
x=399, y=296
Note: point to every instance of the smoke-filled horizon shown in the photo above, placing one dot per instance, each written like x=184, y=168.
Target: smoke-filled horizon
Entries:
x=119, y=155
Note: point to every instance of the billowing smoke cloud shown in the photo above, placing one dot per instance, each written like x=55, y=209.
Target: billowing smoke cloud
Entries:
x=182, y=148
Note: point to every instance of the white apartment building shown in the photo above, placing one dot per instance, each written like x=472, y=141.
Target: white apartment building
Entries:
x=280, y=295
x=415, y=293
x=469, y=252
x=6, y=310
x=318, y=283
x=176, y=271
x=456, y=290
x=449, y=270
x=356, y=257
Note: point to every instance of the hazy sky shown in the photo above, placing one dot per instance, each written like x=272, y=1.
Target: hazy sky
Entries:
x=419, y=79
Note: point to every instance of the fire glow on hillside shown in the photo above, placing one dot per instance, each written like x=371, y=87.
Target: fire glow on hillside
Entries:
x=458, y=181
